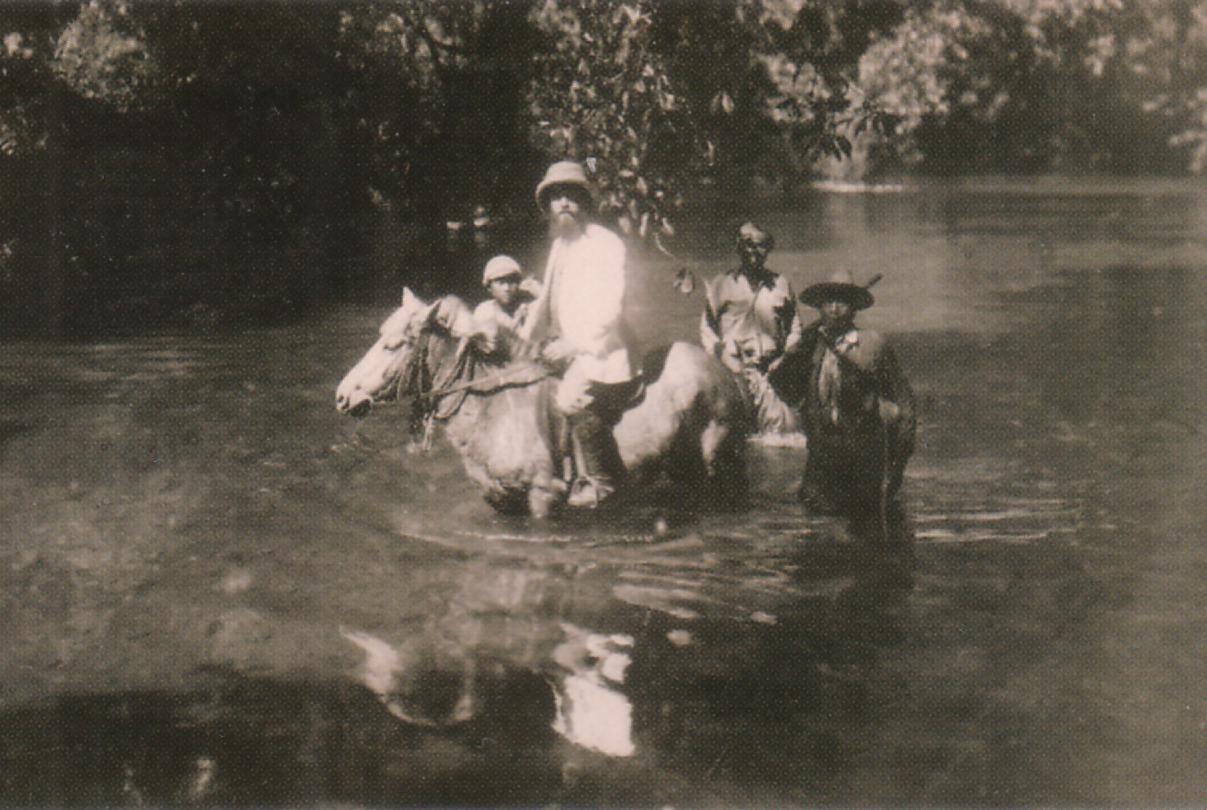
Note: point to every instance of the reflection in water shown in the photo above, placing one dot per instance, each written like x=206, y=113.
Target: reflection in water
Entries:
x=411, y=691
x=590, y=711
x=214, y=589
x=261, y=742
x=204, y=769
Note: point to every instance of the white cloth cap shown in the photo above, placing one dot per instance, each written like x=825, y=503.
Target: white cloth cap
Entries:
x=500, y=267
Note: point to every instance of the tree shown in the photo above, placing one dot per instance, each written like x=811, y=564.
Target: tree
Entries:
x=232, y=151
x=103, y=54
x=1041, y=84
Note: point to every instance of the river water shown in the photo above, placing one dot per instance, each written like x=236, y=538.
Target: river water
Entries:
x=217, y=590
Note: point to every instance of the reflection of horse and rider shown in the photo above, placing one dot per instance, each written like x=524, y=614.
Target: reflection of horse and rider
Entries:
x=602, y=412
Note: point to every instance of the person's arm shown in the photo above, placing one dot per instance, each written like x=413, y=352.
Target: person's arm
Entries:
x=790, y=377
x=710, y=323
x=536, y=323
x=895, y=390
x=793, y=341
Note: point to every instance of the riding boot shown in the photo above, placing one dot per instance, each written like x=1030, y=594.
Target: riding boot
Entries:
x=597, y=459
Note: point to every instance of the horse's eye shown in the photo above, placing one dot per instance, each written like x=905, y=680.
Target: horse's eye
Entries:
x=394, y=342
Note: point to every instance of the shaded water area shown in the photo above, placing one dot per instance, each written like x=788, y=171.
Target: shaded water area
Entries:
x=216, y=590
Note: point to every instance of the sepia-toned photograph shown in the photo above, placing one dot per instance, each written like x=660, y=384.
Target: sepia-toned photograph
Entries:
x=603, y=403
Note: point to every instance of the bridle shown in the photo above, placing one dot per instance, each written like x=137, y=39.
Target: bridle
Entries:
x=415, y=377
x=416, y=373
x=430, y=387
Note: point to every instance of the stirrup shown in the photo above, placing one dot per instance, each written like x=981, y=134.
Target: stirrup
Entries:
x=589, y=492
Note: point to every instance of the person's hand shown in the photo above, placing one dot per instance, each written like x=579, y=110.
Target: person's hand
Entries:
x=730, y=356
x=531, y=286
x=890, y=412
x=556, y=351
x=483, y=343
x=485, y=336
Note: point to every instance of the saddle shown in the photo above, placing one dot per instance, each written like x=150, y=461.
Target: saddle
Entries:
x=469, y=374
x=611, y=403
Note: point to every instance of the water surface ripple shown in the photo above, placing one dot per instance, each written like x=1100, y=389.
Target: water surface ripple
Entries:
x=217, y=590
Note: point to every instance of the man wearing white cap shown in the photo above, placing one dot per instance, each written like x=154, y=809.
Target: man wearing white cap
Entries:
x=498, y=319
x=580, y=310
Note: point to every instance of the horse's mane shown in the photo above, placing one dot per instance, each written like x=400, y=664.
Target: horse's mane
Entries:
x=451, y=315
x=470, y=373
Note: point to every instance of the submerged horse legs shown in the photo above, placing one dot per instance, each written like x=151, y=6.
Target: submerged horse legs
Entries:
x=710, y=469
x=546, y=494
x=724, y=464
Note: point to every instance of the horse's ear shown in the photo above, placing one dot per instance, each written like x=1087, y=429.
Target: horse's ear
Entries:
x=430, y=314
x=396, y=326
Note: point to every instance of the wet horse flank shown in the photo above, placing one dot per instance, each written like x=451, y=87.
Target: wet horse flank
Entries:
x=691, y=421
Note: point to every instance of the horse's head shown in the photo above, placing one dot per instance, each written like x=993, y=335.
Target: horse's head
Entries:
x=413, y=343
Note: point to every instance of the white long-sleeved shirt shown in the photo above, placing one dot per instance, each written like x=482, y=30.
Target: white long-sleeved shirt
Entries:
x=586, y=283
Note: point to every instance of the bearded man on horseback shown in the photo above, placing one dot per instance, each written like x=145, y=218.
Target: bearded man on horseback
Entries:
x=580, y=313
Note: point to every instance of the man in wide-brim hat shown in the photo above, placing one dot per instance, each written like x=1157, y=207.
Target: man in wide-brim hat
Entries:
x=839, y=287
x=857, y=408
x=750, y=321
x=580, y=313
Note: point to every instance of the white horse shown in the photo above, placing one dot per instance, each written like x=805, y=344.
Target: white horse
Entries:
x=691, y=420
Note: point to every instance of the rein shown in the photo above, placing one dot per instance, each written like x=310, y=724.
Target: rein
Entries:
x=431, y=387
x=414, y=379
x=488, y=384
x=415, y=375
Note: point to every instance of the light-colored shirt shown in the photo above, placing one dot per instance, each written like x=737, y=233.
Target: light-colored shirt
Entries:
x=498, y=331
x=746, y=324
x=829, y=376
x=585, y=281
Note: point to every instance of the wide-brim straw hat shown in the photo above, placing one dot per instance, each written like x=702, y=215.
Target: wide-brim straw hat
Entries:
x=840, y=286
x=563, y=173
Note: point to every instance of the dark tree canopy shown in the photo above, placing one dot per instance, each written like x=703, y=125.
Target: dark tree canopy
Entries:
x=175, y=157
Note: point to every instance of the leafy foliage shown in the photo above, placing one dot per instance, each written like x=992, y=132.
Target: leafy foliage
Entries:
x=102, y=54
x=212, y=132
x=602, y=94
x=1033, y=84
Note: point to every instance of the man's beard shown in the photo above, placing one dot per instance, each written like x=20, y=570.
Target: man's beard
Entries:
x=564, y=225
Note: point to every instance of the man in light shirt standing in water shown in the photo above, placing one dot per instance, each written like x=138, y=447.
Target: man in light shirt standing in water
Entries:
x=581, y=310
x=750, y=323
